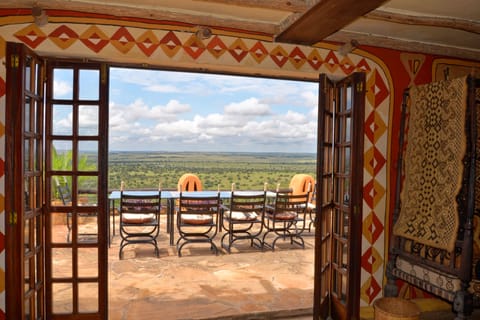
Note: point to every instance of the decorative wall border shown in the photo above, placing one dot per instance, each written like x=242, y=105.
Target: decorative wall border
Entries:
x=148, y=44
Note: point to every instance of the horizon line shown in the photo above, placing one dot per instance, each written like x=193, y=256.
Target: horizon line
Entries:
x=189, y=151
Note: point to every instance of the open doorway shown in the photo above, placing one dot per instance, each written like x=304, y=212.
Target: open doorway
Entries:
x=226, y=129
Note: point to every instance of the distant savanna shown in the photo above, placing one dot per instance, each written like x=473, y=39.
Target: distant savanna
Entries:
x=249, y=171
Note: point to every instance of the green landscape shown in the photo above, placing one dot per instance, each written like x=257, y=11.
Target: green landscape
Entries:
x=249, y=171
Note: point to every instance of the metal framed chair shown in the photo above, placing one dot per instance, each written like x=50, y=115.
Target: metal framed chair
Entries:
x=85, y=219
x=286, y=218
x=243, y=218
x=301, y=183
x=197, y=220
x=65, y=196
x=139, y=219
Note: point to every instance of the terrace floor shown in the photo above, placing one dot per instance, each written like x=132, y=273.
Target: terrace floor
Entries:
x=201, y=285
x=246, y=284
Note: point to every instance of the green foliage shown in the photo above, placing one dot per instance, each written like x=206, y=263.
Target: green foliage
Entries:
x=63, y=161
x=248, y=171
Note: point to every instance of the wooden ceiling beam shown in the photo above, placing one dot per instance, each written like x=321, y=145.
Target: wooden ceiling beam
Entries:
x=323, y=19
x=442, y=22
x=282, y=5
x=211, y=21
x=404, y=45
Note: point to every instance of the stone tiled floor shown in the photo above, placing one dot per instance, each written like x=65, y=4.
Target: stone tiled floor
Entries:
x=200, y=285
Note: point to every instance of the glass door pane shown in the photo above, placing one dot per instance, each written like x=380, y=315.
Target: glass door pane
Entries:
x=76, y=144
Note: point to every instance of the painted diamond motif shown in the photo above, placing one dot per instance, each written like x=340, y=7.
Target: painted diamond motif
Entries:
x=331, y=61
x=216, y=47
x=297, y=58
x=279, y=56
x=170, y=44
x=347, y=65
x=372, y=229
x=373, y=192
x=194, y=47
x=377, y=90
x=238, y=50
x=374, y=161
x=32, y=36
x=258, y=52
x=375, y=127
x=94, y=39
x=148, y=43
x=363, y=66
x=370, y=290
x=123, y=40
x=63, y=37
x=315, y=59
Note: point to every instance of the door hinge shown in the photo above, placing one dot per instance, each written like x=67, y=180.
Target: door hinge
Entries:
x=12, y=218
x=360, y=87
x=355, y=210
x=15, y=61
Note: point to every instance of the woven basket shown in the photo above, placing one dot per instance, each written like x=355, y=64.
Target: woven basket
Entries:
x=395, y=309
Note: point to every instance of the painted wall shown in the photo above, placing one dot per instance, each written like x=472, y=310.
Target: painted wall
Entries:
x=144, y=42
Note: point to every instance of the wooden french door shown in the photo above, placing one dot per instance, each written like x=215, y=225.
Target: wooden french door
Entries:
x=339, y=198
x=24, y=196
x=76, y=137
x=56, y=130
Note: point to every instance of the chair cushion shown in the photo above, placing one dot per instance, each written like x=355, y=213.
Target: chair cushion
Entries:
x=241, y=215
x=138, y=217
x=287, y=215
x=197, y=219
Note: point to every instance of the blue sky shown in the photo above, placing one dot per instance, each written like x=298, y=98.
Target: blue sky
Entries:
x=175, y=111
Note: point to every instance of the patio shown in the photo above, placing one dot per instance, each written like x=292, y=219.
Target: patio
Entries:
x=246, y=284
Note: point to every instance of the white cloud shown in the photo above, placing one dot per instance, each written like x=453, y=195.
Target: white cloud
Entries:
x=247, y=107
x=172, y=107
x=62, y=89
x=162, y=88
x=310, y=99
x=252, y=114
x=292, y=118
